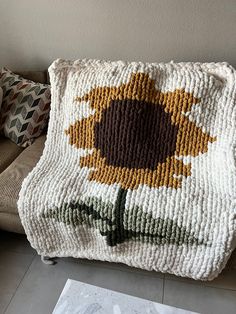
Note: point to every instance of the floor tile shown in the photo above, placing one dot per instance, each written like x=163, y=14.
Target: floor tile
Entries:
x=4, y=300
x=42, y=285
x=13, y=242
x=199, y=298
x=13, y=267
x=116, y=266
x=226, y=280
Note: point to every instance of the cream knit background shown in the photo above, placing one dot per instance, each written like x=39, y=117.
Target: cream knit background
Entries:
x=34, y=33
x=204, y=204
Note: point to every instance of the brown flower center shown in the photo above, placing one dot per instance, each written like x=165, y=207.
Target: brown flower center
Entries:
x=135, y=134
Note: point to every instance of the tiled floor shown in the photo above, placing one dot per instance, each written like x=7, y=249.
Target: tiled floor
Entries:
x=27, y=286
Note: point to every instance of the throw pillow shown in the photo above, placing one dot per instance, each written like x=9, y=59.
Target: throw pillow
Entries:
x=0, y=97
x=25, y=108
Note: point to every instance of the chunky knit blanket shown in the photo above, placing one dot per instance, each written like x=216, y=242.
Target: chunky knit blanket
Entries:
x=139, y=166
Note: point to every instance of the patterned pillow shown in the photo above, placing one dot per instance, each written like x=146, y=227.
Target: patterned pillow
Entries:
x=25, y=108
x=1, y=97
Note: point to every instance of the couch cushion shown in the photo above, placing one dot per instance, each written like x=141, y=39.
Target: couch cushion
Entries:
x=8, y=152
x=11, y=222
x=12, y=177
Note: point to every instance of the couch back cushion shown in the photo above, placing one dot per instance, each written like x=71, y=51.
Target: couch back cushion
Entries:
x=35, y=76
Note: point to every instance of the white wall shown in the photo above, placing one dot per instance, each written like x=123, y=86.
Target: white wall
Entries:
x=33, y=33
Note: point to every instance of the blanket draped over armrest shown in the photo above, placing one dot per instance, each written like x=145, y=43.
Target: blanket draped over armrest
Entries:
x=139, y=166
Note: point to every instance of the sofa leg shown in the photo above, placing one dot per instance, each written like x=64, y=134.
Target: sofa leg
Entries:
x=47, y=260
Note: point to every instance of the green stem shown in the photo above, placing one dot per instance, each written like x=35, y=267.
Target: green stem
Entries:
x=118, y=235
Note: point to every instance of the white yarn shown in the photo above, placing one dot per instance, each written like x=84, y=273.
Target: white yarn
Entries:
x=203, y=204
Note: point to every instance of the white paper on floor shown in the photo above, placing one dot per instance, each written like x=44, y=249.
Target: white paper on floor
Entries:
x=81, y=298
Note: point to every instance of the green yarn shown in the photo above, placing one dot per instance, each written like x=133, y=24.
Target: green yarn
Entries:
x=119, y=224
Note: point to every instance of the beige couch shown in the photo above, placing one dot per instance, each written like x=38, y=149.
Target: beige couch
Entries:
x=15, y=164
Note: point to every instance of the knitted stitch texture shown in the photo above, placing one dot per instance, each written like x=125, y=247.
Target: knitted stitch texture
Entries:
x=139, y=166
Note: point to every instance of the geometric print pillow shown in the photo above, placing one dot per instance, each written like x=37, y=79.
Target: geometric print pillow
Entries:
x=1, y=97
x=1, y=92
x=25, y=108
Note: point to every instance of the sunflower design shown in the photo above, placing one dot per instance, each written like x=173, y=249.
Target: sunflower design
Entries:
x=138, y=134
